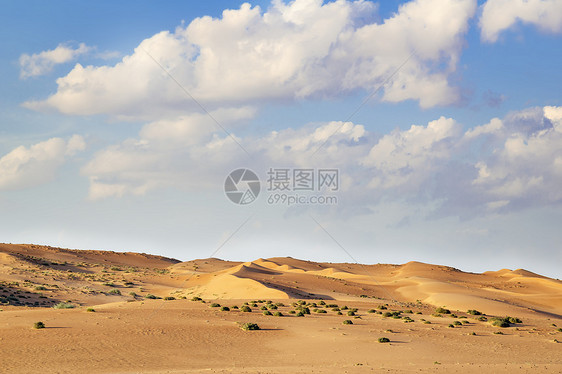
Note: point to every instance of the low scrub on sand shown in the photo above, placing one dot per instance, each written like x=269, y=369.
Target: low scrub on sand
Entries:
x=506, y=321
x=249, y=326
x=347, y=322
x=474, y=312
x=441, y=310
x=246, y=309
x=384, y=340
x=64, y=306
x=39, y=325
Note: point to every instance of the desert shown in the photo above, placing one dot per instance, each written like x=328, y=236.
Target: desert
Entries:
x=112, y=312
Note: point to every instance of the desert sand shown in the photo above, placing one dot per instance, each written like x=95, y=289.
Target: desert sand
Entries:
x=139, y=313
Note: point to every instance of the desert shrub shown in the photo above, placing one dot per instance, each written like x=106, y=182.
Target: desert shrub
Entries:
x=195, y=298
x=40, y=288
x=350, y=313
x=387, y=314
x=322, y=302
x=453, y=315
x=225, y=309
x=473, y=333
x=133, y=294
x=474, y=312
x=419, y=313
x=300, y=314
x=90, y=310
x=267, y=313
x=451, y=325
x=278, y=314
x=249, y=326
x=304, y=310
x=115, y=268
x=339, y=313
x=559, y=330
x=344, y=307
x=371, y=311
x=442, y=311
x=498, y=332
x=292, y=312
x=234, y=307
x=332, y=306
x=482, y=319
x=151, y=296
x=214, y=305
x=382, y=307
x=263, y=308
x=514, y=320
x=364, y=296
x=108, y=284
x=427, y=322
x=499, y=322
x=246, y=309
x=335, y=309
x=321, y=311
x=347, y=322
x=169, y=298
x=39, y=325
x=254, y=305
x=63, y=305
x=408, y=311
x=272, y=306
x=384, y=340
x=457, y=323
x=279, y=304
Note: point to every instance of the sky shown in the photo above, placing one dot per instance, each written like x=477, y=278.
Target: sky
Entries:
x=439, y=123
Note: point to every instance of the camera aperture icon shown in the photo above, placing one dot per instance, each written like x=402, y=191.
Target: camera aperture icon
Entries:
x=242, y=186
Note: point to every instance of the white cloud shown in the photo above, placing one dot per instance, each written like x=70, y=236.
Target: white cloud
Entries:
x=407, y=158
x=500, y=15
x=44, y=62
x=26, y=167
x=301, y=49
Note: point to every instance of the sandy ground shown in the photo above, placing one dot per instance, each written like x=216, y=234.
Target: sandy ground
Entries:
x=128, y=333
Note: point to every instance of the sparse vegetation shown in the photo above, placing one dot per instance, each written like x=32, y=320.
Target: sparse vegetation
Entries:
x=384, y=340
x=115, y=291
x=441, y=310
x=63, y=305
x=91, y=310
x=267, y=313
x=278, y=314
x=169, y=298
x=347, y=322
x=246, y=309
x=249, y=326
x=225, y=309
x=474, y=312
x=196, y=298
x=214, y=305
x=39, y=325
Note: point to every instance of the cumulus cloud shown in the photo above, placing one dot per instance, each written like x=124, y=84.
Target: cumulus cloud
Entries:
x=304, y=48
x=505, y=164
x=44, y=62
x=500, y=15
x=30, y=166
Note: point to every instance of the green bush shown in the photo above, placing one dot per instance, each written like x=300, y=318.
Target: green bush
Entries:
x=351, y=313
x=63, y=305
x=384, y=340
x=482, y=319
x=474, y=312
x=408, y=311
x=300, y=314
x=278, y=314
x=457, y=323
x=321, y=311
x=40, y=288
x=90, y=310
x=263, y=308
x=115, y=291
x=214, y=305
x=151, y=296
x=292, y=312
x=331, y=305
x=39, y=325
x=451, y=325
x=225, y=309
x=339, y=313
x=169, y=298
x=249, y=326
x=347, y=322
x=442, y=311
x=195, y=298
x=246, y=309
x=267, y=313
x=499, y=322
x=382, y=307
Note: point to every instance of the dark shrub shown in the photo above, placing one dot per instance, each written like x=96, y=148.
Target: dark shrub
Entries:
x=442, y=311
x=246, y=309
x=249, y=326
x=195, y=298
x=39, y=325
x=214, y=305
x=474, y=312
x=225, y=309
x=347, y=322
x=267, y=313
x=169, y=298
x=384, y=340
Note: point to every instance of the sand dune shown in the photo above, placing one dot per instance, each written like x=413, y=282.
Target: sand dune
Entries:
x=124, y=289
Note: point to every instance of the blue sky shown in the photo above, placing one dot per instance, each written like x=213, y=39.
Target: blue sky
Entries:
x=455, y=159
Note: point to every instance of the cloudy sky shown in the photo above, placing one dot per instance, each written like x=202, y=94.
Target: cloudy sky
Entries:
x=120, y=122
